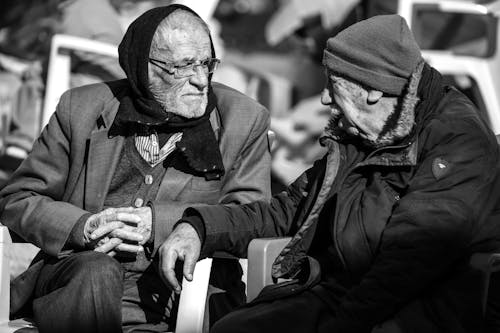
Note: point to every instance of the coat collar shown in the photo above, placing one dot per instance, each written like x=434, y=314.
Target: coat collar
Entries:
x=402, y=155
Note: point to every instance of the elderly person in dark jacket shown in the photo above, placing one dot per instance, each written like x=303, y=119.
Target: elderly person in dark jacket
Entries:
x=383, y=226
x=115, y=168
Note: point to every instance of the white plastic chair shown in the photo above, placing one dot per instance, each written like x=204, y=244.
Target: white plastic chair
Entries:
x=261, y=255
x=59, y=70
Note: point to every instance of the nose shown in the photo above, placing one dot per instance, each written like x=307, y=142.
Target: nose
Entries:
x=326, y=99
x=199, y=78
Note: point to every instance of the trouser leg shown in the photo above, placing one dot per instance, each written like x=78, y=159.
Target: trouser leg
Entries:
x=147, y=302
x=79, y=293
x=303, y=312
x=226, y=291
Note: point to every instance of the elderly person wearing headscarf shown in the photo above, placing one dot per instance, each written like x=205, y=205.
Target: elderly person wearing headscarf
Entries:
x=113, y=171
x=384, y=225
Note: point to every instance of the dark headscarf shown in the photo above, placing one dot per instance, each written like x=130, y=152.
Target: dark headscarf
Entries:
x=198, y=145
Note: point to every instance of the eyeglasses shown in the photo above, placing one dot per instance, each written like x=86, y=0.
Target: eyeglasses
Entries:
x=208, y=66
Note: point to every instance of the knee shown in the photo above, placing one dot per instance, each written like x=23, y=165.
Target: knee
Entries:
x=93, y=266
x=227, y=324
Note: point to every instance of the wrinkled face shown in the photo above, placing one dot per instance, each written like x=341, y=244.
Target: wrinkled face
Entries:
x=354, y=110
x=186, y=96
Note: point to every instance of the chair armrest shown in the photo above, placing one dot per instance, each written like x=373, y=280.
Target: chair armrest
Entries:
x=261, y=255
x=193, y=298
x=486, y=262
x=5, y=241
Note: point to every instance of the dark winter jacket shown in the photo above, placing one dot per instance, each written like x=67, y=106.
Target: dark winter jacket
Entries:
x=403, y=222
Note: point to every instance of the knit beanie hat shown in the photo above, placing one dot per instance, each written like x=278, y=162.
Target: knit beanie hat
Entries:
x=379, y=52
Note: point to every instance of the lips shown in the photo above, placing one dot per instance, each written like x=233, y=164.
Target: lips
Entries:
x=194, y=95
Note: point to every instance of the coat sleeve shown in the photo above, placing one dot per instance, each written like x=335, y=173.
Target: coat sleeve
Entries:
x=429, y=231
x=230, y=228
x=31, y=203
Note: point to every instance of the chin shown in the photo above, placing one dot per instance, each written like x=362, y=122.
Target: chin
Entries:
x=196, y=112
x=186, y=111
x=191, y=113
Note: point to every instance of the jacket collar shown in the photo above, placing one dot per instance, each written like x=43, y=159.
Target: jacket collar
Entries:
x=402, y=155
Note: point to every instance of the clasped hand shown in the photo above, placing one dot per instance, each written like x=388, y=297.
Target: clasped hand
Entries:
x=115, y=230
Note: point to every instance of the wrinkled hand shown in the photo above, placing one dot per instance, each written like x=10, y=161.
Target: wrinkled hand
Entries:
x=110, y=230
x=145, y=224
x=184, y=244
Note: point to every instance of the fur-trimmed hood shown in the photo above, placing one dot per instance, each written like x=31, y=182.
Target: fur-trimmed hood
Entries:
x=398, y=125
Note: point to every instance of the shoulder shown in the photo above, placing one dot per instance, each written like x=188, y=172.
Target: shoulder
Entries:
x=91, y=95
x=456, y=116
x=87, y=102
x=457, y=130
x=231, y=102
x=100, y=91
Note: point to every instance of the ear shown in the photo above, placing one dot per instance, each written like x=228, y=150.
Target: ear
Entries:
x=374, y=96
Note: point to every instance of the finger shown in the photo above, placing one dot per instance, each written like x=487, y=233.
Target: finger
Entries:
x=105, y=229
x=102, y=241
x=122, y=217
x=123, y=209
x=167, y=264
x=189, y=264
x=109, y=246
x=124, y=247
x=128, y=218
x=111, y=253
x=130, y=235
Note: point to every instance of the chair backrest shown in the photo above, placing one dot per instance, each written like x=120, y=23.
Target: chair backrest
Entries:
x=59, y=70
x=476, y=72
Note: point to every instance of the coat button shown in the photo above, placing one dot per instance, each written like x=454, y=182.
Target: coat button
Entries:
x=138, y=202
x=148, y=179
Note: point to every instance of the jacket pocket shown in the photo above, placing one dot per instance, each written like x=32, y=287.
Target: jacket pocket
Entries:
x=366, y=213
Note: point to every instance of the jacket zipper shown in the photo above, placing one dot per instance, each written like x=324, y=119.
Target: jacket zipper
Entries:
x=339, y=186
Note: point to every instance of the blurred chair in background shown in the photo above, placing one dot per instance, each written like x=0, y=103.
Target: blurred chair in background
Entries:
x=25, y=31
x=104, y=21
x=304, y=27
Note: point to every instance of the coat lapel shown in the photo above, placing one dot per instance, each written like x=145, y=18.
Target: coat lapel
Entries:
x=103, y=157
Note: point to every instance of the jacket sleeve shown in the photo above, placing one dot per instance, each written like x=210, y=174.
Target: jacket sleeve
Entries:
x=230, y=228
x=431, y=228
x=31, y=204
